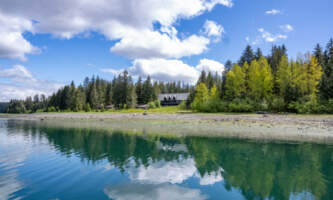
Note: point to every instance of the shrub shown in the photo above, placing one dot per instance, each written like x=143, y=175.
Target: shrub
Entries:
x=183, y=105
x=51, y=109
x=240, y=106
x=151, y=105
x=39, y=110
x=157, y=104
x=277, y=104
x=329, y=106
x=307, y=105
x=87, y=108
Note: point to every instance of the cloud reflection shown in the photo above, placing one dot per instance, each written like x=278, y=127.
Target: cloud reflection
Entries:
x=142, y=191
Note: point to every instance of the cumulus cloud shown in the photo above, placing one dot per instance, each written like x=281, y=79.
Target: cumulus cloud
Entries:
x=129, y=22
x=19, y=74
x=164, y=70
x=212, y=29
x=210, y=66
x=273, y=12
x=12, y=43
x=162, y=172
x=211, y=179
x=170, y=70
x=142, y=191
x=21, y=83
x=287, y=28
x=174, y=172
x=269, y=37
x=153, y=44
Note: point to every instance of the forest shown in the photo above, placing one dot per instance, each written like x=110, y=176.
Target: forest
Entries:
x=272, y=83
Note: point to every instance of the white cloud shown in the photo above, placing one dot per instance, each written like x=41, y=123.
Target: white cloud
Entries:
x=12, y=43
x=153, y=44
x=273, y=12
x=114, y=72
x=169, y=70
x=212, y=29
x=164, y=172
x=210, y=66
x=14, y=151
x=247, y=39
x=174, y=172
x=163, y=191
x=21, y=83
x=19, y=74
x=129, y=22
x=211, y=179
x=269, y=37
x=164, y=70
x=287, y=28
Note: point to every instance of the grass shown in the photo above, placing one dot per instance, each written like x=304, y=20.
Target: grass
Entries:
x=166, y=110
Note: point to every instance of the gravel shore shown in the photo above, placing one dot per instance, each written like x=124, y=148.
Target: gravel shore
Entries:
x=291, y=128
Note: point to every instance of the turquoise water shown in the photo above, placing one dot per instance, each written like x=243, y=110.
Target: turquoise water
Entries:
x=39, y=162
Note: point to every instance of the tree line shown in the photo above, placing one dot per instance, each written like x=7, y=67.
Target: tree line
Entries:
x=271, y=83
x=97, y=94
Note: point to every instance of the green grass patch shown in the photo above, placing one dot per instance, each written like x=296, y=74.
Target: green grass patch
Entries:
x=165, y=109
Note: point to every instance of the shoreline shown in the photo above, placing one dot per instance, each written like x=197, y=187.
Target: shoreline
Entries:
x=271, y=127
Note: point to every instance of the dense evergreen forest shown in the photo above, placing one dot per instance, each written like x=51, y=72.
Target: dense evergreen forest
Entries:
x=272, y=83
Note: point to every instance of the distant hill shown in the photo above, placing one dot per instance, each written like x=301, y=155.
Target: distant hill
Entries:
x=3, y=106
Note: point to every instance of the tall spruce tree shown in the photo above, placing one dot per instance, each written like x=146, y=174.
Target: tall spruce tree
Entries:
x=247, y=56
x=138, y=90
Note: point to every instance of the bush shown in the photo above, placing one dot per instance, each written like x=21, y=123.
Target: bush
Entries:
x=157, y=104
x=87, y=108
x=183, y=105
x=151, y=105
x=329, y=106
x=277, y=105
x=51, y=109
x=240, y=106
x=307, y=105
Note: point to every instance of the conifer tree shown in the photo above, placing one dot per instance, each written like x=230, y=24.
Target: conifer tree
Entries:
x=258, y=54
x=139, y=92
x=247, y=56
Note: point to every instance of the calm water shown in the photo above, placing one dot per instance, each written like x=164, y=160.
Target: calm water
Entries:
x=39, y=162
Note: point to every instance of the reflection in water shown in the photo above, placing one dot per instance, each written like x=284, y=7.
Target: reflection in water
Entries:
x=162, y=191
x=154, y=167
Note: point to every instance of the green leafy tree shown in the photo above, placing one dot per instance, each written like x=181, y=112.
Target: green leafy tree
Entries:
x=201, y=97
x=235, y=83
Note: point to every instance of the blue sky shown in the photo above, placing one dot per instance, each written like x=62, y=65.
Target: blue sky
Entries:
x=43, y=46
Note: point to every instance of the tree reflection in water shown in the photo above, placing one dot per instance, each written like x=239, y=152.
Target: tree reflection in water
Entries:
x=257, y=170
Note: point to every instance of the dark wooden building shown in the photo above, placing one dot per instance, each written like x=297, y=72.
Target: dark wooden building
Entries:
x=172, y=99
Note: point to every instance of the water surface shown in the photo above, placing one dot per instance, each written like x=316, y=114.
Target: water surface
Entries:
x=41, y=162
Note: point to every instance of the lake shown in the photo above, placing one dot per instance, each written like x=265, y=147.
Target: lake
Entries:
x=43, y=162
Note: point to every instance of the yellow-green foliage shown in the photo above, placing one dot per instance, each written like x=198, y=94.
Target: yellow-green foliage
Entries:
x=235, y=82
x=283, y=76
x=260, y=79
x=201, y=96
x=314, y=73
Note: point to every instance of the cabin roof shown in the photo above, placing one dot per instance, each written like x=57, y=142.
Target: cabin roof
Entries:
x=179, y=96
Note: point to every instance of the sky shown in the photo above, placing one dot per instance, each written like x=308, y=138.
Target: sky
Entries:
x=47, y=44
